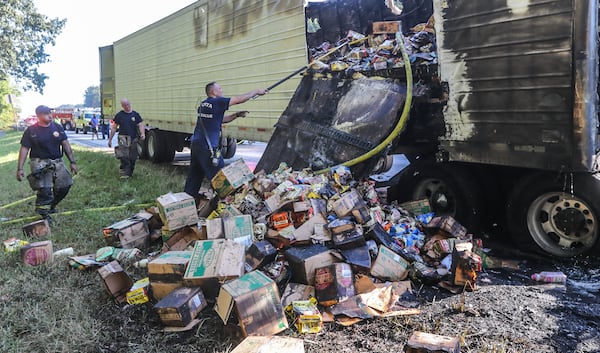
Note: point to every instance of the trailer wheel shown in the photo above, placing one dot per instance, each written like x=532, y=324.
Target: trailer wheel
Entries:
x=451, y=191
x=229, y=147
x=544, y=215
x=154, y=146
x=67, y=126
x=142, y=147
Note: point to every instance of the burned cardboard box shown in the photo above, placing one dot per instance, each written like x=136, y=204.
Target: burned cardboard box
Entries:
x=37, y=229
x=177, y=210
x=259, y=254
x=115, y=280
x=231, y=177
x=306, y=231
x=465, y=265
x=380, y=235
x=182, y=238
x=417, y=207
x=307, y=317
x=347, y=239
x=359, y=258
x=129, y=233
x=274, y=344
x=166, y=272
x=348, y=202
x=37, y=253
x=448, y=225
x=181, y=306
x=389, y=265
x=304, y=260
x=296, y=291
x=334, y=283
x=257, y=303
x=212, y=262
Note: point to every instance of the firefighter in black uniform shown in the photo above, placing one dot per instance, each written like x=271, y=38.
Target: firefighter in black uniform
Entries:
x=45, y=142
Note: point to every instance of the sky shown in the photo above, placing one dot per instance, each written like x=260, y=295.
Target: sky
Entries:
x=74, y=64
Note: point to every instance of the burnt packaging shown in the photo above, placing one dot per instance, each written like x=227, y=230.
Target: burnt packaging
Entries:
x=349, y=239
x=304, y=260
x=358, y=258
x=334, y=283
x=380, y=236
x=181, y=306
x=259, y=254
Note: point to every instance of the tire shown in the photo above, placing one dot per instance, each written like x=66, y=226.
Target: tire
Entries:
x=168, y=152
x=544, y=215
x=153, y=145
x=68, y=127
x=450, y=189
x=142, y=147
x=229, y=148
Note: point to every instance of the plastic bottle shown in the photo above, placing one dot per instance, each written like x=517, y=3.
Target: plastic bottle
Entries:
x=549, y=277
x=141, y=264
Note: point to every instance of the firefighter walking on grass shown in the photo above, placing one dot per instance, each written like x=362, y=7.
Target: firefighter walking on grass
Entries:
x=130, y=125
x=45, y=142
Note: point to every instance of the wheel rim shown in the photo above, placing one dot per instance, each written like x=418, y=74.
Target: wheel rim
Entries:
x=140, y=148
x=441, y=197
x=562, y=224
x=151, y=146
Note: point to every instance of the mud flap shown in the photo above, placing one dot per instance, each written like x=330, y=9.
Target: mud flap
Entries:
x=332, y=120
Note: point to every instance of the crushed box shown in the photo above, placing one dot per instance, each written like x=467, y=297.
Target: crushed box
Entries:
x=37, y=253
x=177, y=210
x=347, y=202
x=115, y=280
x=448, y=225
x=417, y=207
x=259, y=253
x=304, y=260
x=257, y=303
x=166, y=272
x=389, y=265
x=334, y=283
x=182, y=238
x=231, y=177
x=139, y=293
x=129, y=233
x=181, y=306
x=239, y=229
x=37, y=229
x=296, y=291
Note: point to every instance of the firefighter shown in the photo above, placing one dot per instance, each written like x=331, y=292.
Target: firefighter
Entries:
x=45, y=142
x=130, y=125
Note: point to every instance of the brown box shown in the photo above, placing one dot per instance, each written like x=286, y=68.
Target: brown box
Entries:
x=422, y=342
x=304, y=260
x=334, y=283
x=37, y=253
x=116, y=282
x=177, y=210
x=257, y=303
x=231, y=177
x=259, y=253
x=181, y=306
x=448, y=225
x=387, y=27
x=166, y=272
x=129, y=233
x=389, y=265
x=182, y=238
x=307, y=229
x=349, y=201
x=37, y=229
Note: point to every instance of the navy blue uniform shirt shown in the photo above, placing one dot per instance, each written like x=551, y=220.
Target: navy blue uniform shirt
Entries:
x=211, y=111
x=44, y=142
x=128, y=123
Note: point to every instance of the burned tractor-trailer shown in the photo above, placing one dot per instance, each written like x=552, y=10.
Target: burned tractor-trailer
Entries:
x=493, y=103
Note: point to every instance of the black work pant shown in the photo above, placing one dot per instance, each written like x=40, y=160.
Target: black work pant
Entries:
x=200, y=167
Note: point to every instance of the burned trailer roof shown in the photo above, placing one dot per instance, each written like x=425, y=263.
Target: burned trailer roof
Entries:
x=519, y=76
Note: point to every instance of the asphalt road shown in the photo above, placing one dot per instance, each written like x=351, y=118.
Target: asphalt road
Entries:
x=250, y=153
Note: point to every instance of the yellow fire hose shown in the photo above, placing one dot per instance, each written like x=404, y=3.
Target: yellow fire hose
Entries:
x=401, y=122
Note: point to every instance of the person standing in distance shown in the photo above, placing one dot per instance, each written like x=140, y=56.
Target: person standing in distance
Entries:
x=94, y=126
x=130, y=124
x=45, y=142
x=205, y=162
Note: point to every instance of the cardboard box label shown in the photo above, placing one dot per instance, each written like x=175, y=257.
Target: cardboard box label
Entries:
x=177, y=210
x=215, y=259
x=37, y=253
x=389, y=265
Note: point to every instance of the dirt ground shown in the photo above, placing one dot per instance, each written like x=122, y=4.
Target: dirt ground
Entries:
x=507, y=313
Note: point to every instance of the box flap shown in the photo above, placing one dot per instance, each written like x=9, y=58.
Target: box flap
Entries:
x=224, y=305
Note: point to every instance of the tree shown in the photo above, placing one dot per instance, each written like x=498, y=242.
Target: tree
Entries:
x=24, y=35
x=91, y=98
x=8, y=112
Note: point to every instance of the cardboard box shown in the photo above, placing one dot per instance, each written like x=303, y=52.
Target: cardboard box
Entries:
x=275, y=344
x=295, y=292
x=349, y=201
x=380, y=236
x=129, y=233
x=387, y=27
x=182, y=238
x=116, y=282
x=417, y=207
x=259, y=253
x=37, y=229
x=139, y=293
x=231, y=177
x=308, y=318
x=166, y=272
x=307, y=229
x=37, y=253
x=358, y=258
x=214, y=229
x=448, y=225
x=304, y=260
x=206, y=206
x=177, y=210
x=214, y=261
x=257, y=304
x=239, y=229
x=389, y=265
x=422, y=342
x=181, y=306
x=334, y=283
x=349, y=239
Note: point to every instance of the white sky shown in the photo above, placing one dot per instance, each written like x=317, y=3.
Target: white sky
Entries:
x=74, y=65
